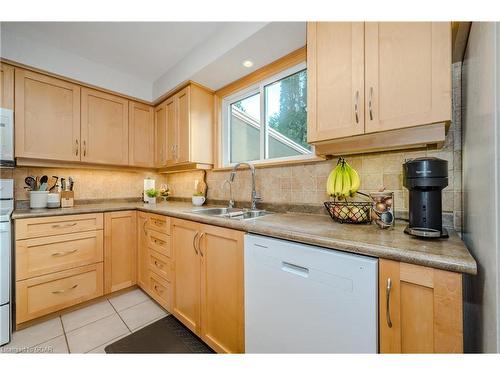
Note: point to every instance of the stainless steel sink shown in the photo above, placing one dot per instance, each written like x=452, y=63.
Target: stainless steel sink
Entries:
x=231, y=213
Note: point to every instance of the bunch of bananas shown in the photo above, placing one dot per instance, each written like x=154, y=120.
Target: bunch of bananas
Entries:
x=343, y=181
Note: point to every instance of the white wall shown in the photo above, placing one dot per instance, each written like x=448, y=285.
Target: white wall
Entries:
x=480, y=89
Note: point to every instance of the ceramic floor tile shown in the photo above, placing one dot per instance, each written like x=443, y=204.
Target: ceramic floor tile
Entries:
x=86, y=315
x=129, y=299
x=88, y=337
x=100, y=349
x=139, y=315
x=56, y=345
x=34, y=335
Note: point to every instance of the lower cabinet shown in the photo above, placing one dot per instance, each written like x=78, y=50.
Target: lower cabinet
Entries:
x=120, y=250
x=142, y=250
x=420, y=309
x=208, y=283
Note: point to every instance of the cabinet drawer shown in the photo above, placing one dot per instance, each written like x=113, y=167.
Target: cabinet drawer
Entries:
x=160, y=264
x=159, y=223
x=49, y=226
x=160, y=289
x=43, y=255
x=159, y=242
x=45, y=294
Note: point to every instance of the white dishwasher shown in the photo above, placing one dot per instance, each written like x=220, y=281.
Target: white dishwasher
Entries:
x=307, y=299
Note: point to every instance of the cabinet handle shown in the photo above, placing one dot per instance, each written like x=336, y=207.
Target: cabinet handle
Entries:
x=159, y=290
x=63, y=225
x=388, y=302
x=194, y=242
x=144, y=227
x=76, y=148
x=356, y=103
x=159, y=265
x=63, y=253
x=84, y=148
x=64, y=290
x=199, y=244
x=370, y=103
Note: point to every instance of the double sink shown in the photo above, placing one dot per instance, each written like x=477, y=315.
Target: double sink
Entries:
x=231, y=213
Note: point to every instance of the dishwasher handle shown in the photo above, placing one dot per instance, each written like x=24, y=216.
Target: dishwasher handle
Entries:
x=295, y=269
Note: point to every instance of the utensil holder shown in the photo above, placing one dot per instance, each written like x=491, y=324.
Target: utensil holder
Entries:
x=38, y=199
x=67, y=198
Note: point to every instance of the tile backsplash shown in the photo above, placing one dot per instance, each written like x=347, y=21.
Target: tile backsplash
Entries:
x=306, y=183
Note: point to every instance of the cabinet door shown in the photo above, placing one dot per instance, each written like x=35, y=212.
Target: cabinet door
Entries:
x=6, y=86
x=47, y=117
x=141, y=135
x=420, y=309
x=183, y=126
x=142, y=250
x=161, y=135
x=222, y=314
x=335, y=80
x=186, y=303
x=120, y=250
x=172, y=129
x=104, y=128
x=408, y=74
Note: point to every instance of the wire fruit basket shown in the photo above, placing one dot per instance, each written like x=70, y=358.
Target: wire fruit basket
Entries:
x=349, y=212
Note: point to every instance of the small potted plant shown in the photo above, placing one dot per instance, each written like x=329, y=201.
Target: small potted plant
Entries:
x=152, y=194
x=198, y=198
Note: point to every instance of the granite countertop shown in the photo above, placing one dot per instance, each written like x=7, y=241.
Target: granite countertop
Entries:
x=448, y=254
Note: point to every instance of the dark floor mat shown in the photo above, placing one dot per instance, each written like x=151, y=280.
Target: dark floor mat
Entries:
x=166, y=335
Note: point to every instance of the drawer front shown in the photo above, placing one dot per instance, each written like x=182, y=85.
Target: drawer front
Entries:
x=159, y=242
x=160, y=290
x=160, y=264
x=54, y=225
x=159, y=223
x=45, y=294
x=40, y=256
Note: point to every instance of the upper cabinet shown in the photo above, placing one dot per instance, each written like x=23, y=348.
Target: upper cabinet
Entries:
x=188, y=118
x=365, y=78
x=104, y=128
x=6, y=86
x=407, y=74
x=160, y=135
x=141, y=135
x=47, y=117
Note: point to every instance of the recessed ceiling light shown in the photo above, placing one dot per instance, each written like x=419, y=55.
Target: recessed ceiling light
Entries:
x=247, y=63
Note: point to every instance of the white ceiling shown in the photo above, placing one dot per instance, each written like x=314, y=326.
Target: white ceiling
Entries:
x=147, y=59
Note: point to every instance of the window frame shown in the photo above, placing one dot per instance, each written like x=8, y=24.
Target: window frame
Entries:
x=257, y=88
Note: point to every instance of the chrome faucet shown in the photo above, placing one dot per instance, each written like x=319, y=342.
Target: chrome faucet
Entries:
x=255, y=197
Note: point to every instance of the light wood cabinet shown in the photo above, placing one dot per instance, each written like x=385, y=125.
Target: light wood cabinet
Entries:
x=120, y=250
x=208, y=283
x=420, y=309
x=161, y=135
x=47, y=117
x=335, y=63
x=6, y=86
x=104, y=128
x=365, y=78
x=142, y=250
x=408, y=74
x=188, y=119
x=141, y=135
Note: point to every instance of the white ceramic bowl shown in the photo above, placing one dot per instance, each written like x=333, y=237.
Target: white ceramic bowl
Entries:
x=38, y=199
x=197, y=200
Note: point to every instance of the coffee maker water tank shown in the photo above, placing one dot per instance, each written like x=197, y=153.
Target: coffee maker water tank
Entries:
x=425, y=178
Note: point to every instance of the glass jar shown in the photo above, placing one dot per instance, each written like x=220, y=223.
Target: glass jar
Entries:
x=383, y=209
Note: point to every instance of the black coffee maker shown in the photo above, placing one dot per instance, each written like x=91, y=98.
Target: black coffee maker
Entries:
x=425, y=178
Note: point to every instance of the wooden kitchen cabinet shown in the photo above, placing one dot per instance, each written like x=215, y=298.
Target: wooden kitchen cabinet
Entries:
x=420, y=309
x=47, y=117
x=208, y=283
x=160, y=120
x=172, y=130
x=141, y=135
x=6, y=86
x=104, y=128
x=407, y=74
x=335, y=80
x=142, y=250
x=120, y=250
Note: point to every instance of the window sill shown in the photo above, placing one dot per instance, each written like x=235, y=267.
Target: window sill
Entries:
x=277, y=162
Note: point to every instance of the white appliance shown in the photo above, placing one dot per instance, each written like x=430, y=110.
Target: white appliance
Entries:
x=306, y=299
x=6, y=208
x=6, y=137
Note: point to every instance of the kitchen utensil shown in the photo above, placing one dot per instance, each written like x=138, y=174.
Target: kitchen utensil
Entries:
x=43, y=183
x=31, y=182
x=63, y=184
x=71, y=183
x=37, y=182
x=53, y=183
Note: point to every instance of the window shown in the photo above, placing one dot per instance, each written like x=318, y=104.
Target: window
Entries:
x=268, y=120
